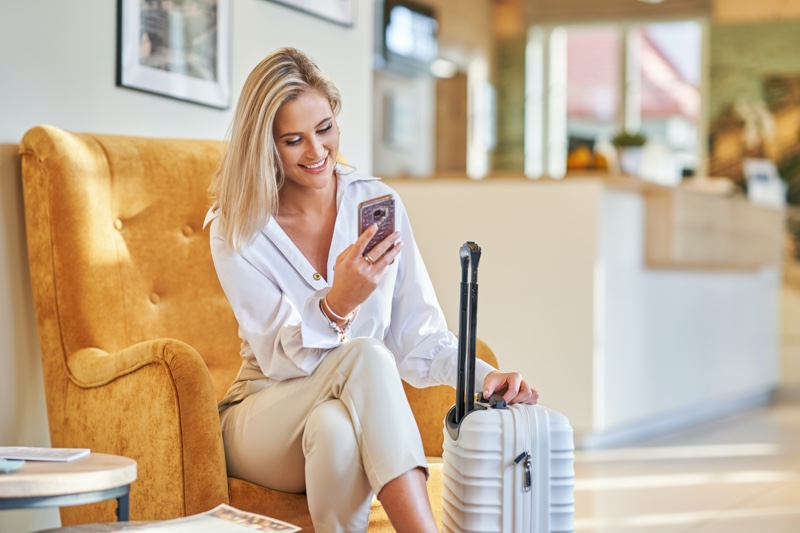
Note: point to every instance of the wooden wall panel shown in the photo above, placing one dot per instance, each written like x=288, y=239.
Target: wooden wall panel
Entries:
x=688, y=229
x=451, y=124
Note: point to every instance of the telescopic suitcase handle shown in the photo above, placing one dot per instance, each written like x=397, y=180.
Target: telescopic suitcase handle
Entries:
x=463, y=312
x=470, y=256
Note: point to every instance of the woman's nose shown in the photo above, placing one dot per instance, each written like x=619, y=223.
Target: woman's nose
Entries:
x=316, y=149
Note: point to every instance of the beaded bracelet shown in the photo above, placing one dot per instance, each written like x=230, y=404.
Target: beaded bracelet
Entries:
x=341, y=331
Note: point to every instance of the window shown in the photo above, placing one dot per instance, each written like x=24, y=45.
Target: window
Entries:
x=584, y=84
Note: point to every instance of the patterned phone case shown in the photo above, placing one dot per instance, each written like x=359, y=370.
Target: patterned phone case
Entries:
x=378, y=210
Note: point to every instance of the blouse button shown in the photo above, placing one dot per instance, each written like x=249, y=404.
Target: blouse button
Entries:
x=118, y=224
x=317, y=277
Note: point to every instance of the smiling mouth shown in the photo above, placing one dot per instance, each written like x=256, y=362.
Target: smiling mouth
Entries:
x=315, y=165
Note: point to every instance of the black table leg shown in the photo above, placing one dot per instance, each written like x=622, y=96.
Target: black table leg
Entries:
x=123, y=508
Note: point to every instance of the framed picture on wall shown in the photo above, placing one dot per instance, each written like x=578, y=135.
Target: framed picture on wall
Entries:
x=338, y=11
x=176, y=49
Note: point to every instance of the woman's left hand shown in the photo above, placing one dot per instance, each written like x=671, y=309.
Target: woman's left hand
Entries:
x=511, y=385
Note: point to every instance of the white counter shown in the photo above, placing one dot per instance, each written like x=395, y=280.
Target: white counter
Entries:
x=566, y=298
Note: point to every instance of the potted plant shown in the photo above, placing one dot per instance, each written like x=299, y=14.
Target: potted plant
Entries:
x=629, y=148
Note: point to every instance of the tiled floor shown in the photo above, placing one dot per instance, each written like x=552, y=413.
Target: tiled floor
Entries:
x=736, y=475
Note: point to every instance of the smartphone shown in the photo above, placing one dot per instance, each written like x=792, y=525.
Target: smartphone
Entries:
x=376, y=211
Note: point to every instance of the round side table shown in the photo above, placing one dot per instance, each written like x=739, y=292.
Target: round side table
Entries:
x=94, y=478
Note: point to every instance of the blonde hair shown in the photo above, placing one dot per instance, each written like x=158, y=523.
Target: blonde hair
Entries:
x=246, y=183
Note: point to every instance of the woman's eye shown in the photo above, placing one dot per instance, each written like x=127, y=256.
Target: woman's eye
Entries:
x=292, y=142
x=326, y=129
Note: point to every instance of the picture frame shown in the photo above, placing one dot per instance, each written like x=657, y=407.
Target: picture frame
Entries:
x=179, y=50
x=338, y=11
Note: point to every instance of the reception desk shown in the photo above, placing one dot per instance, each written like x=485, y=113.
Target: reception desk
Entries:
x=634, y=309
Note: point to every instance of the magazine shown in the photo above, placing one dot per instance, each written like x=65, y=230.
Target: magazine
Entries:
x=27, y=453
x=221, y=519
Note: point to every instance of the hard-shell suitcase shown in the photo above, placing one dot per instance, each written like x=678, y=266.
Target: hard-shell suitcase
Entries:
x=506, y=468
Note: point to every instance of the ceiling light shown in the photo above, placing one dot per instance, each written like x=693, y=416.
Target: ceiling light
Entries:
x=443, y=68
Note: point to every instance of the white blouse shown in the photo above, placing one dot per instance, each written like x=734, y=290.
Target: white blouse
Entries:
x=275, y=295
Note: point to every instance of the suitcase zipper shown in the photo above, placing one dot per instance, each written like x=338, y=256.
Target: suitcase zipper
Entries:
x=526, y=457
x=525, y=507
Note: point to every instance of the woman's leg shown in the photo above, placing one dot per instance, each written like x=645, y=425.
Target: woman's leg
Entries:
x=339, y=494
x=391, y=447
x=265, y=439
x=406, y=502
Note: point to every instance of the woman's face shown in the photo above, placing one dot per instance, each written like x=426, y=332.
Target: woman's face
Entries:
x=307, y=138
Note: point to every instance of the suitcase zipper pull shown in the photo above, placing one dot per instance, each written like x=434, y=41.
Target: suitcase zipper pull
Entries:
x=525, y=456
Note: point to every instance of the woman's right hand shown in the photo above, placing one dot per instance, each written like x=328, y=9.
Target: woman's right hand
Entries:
x=357, y=275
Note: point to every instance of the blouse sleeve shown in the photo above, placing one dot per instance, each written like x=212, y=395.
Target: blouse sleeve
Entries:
x=425, y=349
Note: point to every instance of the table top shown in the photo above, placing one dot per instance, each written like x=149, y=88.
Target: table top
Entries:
x=95, y=472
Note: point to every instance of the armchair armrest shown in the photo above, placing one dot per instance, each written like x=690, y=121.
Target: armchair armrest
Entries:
x=153, y=402
x=430, y=405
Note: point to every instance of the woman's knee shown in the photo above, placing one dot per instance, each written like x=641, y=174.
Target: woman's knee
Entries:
x=373, y=353
x=369, y=345
x=365, y=365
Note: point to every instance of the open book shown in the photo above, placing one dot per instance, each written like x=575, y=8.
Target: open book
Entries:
x=27, y=453
x=221, y=519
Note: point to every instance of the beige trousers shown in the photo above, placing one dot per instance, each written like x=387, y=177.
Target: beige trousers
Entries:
x=338, y=435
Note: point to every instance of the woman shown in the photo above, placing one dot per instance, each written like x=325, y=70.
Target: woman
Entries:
x=327, y=330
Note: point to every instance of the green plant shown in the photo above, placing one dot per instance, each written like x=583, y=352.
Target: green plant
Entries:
x=625, y=138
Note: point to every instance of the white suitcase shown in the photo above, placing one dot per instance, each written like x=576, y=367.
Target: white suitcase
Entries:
x=510, y=470
x=506, y=468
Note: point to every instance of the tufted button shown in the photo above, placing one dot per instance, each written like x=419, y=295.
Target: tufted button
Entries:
x=154, y=298
x=118, y=224
x=317, y=277
x=187, y=231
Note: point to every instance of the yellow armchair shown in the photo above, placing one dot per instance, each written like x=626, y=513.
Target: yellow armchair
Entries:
x=138, y=342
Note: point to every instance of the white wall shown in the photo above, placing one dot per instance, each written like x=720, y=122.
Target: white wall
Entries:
x=57, y=66
x=676, y=344
x=535, y=278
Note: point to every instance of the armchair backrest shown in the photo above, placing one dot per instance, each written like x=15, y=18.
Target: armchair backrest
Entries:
x=117, y=250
